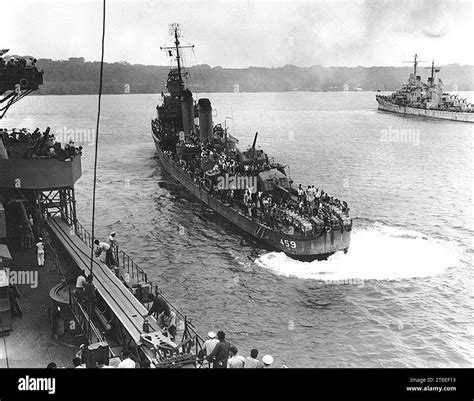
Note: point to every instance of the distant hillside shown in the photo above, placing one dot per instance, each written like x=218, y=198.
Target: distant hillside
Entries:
x=76, y=76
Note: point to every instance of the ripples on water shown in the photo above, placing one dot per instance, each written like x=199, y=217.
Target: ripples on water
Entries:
x=402, y=296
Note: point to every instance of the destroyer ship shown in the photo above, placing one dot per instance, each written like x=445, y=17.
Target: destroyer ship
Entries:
x=417, y=98
x=244, y=185
x=42, y=301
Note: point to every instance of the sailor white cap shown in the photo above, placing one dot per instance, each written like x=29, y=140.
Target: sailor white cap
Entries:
x=112, y=233
x=267, y=359
x=211, y=334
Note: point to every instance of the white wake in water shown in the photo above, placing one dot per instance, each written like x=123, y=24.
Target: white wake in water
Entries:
x=375, y=253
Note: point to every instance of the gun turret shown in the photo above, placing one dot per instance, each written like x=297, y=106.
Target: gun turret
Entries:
x=254, y=142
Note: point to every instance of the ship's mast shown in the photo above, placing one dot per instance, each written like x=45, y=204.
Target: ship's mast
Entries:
x=175, y=31
x=433, y=71
x=178, y=59
x=415, y=64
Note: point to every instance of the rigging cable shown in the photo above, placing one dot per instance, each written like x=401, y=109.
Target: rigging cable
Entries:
x=94, y=185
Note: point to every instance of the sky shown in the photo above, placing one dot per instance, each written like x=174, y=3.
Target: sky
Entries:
x=243, y=33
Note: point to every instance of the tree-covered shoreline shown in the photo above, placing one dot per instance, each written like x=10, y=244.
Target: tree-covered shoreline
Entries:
x=76, y=76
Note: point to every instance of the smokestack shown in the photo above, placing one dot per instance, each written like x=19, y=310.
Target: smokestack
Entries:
x=205, y=119
x=187, y=110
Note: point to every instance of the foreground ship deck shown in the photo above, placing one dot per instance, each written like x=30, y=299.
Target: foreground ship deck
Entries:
x=37, y=201
x=31, y=343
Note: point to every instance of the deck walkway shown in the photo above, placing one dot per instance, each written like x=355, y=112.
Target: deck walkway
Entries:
x=125, y=306
x=31, y=343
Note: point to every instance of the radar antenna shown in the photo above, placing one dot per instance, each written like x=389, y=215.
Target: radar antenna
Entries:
x=415, y=63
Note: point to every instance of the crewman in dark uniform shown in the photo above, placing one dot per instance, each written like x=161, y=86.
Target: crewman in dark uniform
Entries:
x=159, y=305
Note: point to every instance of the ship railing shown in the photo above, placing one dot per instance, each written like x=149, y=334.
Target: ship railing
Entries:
x=92, y=333
x=141, y=279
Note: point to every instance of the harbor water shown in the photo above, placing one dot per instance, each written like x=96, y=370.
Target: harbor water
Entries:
x=401, y=297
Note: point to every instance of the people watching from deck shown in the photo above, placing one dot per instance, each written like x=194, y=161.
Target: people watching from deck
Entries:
x=109, y=255
x=37, y=145
x=111, y=240
x=101, y=363
x=158, y=307
x=208, y=346
x=127, y=362
x=15, y=64
x=80, y=285
x=267, y=361
x=77, y=363
x=252, y=361
x=307, y=211
x=40, y=251
x=220, y=353
x=89, y=293
x=167, y=322
x=210, y=343
x=235, y=360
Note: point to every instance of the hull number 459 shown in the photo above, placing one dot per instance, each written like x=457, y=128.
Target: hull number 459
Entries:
x=288, y=243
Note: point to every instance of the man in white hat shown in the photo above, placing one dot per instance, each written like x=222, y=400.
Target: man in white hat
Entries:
x=209, y=344
x=267, y=361
x=111, y=240
x=40, y=251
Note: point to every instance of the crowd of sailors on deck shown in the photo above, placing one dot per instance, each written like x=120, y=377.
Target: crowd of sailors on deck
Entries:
x=216, y=353
x=271, y=208
x=16, y=63
x=277, y=211
x=39, y=145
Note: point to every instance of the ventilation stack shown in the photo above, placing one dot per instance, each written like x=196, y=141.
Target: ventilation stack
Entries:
x=187, y=109
x=205, y=119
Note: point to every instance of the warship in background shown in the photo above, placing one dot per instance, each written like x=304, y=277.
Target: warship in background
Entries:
x=426, y=99
x=242, y=185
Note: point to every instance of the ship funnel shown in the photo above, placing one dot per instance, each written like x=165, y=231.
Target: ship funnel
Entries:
x=205, y=119
x=187, y=109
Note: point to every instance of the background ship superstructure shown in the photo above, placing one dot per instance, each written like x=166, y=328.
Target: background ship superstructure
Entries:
x=427, y=99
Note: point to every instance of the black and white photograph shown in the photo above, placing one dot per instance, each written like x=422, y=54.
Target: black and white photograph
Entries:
x=195, y=185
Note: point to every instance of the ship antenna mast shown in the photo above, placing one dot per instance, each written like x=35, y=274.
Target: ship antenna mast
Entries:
x=415, y=63
x=178, y=57
x=433, y=71
x=175, y=31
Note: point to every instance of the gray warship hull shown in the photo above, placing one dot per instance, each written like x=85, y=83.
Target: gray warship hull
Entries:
x=385, y=105
x=301, y=247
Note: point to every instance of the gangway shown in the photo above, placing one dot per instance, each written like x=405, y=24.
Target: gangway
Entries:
x=127, y=310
